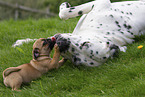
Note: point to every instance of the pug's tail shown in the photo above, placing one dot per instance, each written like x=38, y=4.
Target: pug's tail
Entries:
x=10, y=70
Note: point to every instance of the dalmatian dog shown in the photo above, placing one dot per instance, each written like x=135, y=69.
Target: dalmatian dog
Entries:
x=103, y=30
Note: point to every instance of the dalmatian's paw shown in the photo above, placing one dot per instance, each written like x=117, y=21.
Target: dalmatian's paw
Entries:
x=64, y=6
x=64, y=9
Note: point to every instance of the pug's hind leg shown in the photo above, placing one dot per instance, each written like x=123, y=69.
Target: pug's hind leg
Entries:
x=16, y=84
x=16, y=89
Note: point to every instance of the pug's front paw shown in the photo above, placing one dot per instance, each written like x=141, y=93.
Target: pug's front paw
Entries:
x=56, y=47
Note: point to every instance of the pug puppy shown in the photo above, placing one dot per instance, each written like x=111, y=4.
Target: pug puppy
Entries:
x=14, y=76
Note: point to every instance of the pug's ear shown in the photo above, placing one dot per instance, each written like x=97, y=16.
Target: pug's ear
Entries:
x=36, y=53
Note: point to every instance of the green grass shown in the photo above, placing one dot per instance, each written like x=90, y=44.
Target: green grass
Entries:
x=123, y=76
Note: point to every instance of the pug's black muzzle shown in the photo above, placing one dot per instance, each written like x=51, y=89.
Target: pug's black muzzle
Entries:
x=51, y=42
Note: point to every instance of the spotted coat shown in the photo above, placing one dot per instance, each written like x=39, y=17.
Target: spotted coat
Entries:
x=103, y=29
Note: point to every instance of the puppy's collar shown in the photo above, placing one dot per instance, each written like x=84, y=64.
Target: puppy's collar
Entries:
x=42, y=57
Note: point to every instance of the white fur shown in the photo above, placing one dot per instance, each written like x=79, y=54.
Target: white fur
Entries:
x=102, y=22
x=21, y=41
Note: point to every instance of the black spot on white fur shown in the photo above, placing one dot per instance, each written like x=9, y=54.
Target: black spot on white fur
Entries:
x=75, y=59
x=80, y=12
x=122, y=23
x=127, y=26
x=67, y=4
x=71, y=9
x=91, y=63
x=111, y=16
x=117, y=22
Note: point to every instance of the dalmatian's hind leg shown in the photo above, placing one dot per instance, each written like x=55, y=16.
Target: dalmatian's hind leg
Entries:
x=66, y=11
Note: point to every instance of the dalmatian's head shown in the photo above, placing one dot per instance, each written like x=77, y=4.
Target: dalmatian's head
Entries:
x=63, y=43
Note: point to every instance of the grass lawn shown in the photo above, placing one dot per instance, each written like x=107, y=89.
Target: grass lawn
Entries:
x=123, y=76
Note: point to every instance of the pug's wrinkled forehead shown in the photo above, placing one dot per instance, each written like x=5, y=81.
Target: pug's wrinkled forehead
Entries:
x=50, y=41
x=38, y=43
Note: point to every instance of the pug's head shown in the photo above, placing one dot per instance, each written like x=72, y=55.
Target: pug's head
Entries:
x=43, y=47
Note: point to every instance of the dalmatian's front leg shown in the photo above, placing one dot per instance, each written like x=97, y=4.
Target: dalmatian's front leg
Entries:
x=66, y=11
